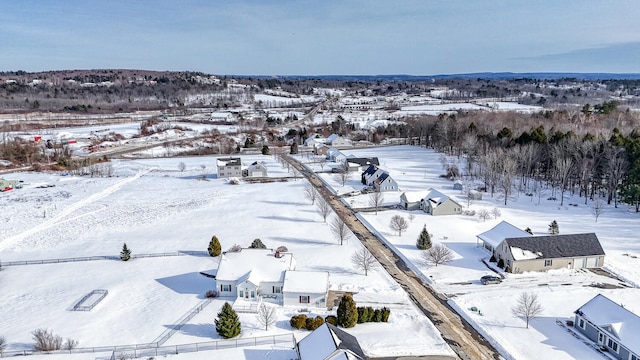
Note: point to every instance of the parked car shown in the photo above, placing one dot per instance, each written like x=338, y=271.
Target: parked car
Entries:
x=490, y=279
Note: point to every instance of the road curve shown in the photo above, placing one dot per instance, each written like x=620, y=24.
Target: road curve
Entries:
x=463, y=338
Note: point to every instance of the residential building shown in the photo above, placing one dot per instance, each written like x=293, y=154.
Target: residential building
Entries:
x=328, y=342
x=229, y=167
x=437, y=203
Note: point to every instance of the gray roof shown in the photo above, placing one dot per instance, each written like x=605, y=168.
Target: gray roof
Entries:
x=347, y=341
x=229, y=161
x=364, y=161
x=559, y=246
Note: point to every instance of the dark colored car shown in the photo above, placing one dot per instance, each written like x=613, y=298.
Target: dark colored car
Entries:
x=490, y=279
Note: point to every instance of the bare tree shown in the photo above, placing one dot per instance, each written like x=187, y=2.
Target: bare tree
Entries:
x=3, y=344
x=45, y=340
x=437, y=254
x=484, y=214
x=310, y=193
x=182, y=166
x=339, y=229
x=323, y=208
x=266, y=315
x=597, y=207
x=411, y=217
x=563, y=167
x=322, y=162
x=375, y=200
x=399, y=224
x=363, y=260
x=528, y=307
x=342, y=174
x=616, y=166
x=509, y=167
x=495, y=212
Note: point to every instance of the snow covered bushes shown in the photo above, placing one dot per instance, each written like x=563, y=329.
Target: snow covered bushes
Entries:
x=303, y=322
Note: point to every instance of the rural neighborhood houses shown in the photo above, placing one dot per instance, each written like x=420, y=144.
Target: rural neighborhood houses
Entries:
x=232, y=167
x=611, y=326
x=437, y=203
x=328, y=342
x=520, y=251
x=252, y=274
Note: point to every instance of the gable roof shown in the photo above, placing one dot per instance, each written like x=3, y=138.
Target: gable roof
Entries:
x=230, y=161
x=370, y=170
x=255, y=265
x=555, y=246
x=329, y=342
x=613, y=318
x=436, y=198
x=414, y=196
x=332, y=137
x=312, y=282
x=500, y=232
x=362, y=161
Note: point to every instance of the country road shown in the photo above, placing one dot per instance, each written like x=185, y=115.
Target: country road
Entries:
x=463, y=339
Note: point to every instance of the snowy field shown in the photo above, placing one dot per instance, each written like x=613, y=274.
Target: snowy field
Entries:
x=561, y=291
x=154, y=208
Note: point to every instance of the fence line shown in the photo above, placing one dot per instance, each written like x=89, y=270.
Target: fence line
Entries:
x=152, y=350
x=183, y=320
x=100, y=257
x=79, y=307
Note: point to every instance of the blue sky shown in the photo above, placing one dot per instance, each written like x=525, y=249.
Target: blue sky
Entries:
x=324, y=37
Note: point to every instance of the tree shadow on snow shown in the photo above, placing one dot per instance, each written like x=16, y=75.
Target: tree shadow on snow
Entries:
x=284, y=218
x=199, y=177
x=203, y=330
x=189, y=283
x=291, y=240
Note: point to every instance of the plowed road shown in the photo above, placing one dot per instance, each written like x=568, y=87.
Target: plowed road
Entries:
x=463, y=339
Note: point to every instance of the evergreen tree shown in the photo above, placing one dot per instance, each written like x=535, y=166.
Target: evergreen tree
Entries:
x=553, y=228
x=265, y=150
x=347, y=312
x=294, y=148
x=228, y=323
x=424, y=240
x=214, y=247
x=257, y=244
x=125, y=254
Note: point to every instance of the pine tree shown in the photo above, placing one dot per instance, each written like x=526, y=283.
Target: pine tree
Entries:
x=228, y=323
x=257, y=244
x=125, y=254
x=553, y=228
x=347, y=312
x=424, y=240
x=214, y=247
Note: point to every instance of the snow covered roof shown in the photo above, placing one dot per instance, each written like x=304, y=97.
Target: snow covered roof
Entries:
x=332, y=137
x=255, y=265
x=436, y=197
x=230, y=161
x=313, y=282
x=414, y=196
x=554, y=246
x=329, y=342
x=500, y=232
x=613, y=318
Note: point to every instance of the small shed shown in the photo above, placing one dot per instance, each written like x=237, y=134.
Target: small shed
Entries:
x=457, y=185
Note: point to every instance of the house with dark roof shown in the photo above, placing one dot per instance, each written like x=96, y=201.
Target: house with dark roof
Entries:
x=371, y=174
x=611, y=326
x=541, y=253
x=329, y=343
x=361, y=163
x=385, y=183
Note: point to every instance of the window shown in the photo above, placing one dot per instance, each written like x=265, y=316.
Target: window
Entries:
x=304, y=299
x=599, y=337
x=225, y=287
x=581, y=324
x=241, y=293
x=277, y=289
x=612, y=345
x=633, y=357
x=548, y=262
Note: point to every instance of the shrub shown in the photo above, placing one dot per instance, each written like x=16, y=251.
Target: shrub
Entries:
x=331, y=319
x=125, y=254
x=493, y=258
x=347, y=312
x=385, y=314
x=70, y=344
x=377, y=315
x=501, y=264
x=363, y=315
x=298, y=321
x=214, y=248
x=211, y=294
x=257, y=244
x=282, y=249
x=46, y=341
x=314, y=323
x=235, y=248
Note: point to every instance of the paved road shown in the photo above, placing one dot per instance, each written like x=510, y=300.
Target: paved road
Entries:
x=463, y=339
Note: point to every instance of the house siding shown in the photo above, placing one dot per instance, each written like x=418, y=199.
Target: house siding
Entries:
x=448, y=207
x=315, y=300
x=409, y=205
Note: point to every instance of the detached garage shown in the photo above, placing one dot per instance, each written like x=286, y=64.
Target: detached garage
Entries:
x=305, y=288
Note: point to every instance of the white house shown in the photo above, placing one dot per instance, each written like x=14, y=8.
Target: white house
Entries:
x=251, y=273
x=385, y=183
x=229, y=167
x=305, y=288
x=257, y=169
x=336, y=140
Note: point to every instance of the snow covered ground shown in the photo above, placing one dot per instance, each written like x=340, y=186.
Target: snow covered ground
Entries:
x=560, y=291
x=155, y=208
